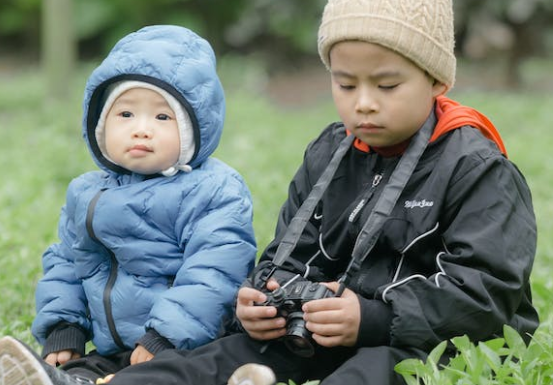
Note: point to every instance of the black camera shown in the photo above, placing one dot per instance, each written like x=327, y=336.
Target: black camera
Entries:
x=288, y=300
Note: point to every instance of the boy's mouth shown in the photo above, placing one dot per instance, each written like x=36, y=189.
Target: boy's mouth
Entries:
x=368, y=126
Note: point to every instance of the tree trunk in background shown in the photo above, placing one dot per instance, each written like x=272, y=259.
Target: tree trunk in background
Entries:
x=58, y=46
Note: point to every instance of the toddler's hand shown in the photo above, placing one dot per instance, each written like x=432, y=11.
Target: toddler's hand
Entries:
x=140, y=354
x=61, y=357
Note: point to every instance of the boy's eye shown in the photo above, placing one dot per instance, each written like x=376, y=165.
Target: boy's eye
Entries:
x=346, y=87
x=126, y=114
x=388, y=87
x=163, y=117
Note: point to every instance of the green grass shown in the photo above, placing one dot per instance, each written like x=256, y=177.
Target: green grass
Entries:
x=41, y=150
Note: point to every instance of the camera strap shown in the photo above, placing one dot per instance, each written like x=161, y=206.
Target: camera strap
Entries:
x=387, y=200
x=299, y=221
x=371, y=229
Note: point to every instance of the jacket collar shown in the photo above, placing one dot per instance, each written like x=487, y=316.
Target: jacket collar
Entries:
x=451, y=115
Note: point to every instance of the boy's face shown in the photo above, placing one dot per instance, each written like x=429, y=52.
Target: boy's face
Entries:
x=142, y=133
x=381, y=97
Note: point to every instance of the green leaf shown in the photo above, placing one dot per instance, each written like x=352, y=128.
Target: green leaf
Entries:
x=409, y=366
x=437, y=352
x=514, y=341
x=492, y=358
x=462, y=343
x=457, y=363
x=496, y=345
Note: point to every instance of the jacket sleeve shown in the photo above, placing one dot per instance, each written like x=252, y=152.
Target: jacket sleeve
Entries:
x=60, y=298
x=219, y=252
x=65, y=337
x=489, y=241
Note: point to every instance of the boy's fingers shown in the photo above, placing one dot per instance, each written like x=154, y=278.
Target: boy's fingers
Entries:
x=324, y=304
x=248, y=295
x=272, y=284
x=264, y=324
x=256, y=312
x=331, y=285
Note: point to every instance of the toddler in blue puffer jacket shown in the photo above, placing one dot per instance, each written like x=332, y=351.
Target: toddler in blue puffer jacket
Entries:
x=154, y=246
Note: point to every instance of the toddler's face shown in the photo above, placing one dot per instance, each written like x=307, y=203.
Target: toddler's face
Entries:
x=381, y=97
x=141, y=132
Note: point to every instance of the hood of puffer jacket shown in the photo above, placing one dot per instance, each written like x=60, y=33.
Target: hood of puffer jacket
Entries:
x=174, y=59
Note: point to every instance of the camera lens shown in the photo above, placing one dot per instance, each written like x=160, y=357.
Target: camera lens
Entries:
x=298, y=338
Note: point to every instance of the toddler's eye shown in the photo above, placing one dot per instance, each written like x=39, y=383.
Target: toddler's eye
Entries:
x=126, y=114
x=388, y=87
x=163, y=117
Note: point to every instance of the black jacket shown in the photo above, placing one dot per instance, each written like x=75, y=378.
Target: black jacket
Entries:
x=453, y=258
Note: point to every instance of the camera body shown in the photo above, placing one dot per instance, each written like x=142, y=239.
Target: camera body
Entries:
x=288, y=300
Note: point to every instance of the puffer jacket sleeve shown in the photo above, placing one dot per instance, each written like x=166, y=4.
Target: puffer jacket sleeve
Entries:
x=489, y=239
x=219, y=252
x=60, y=297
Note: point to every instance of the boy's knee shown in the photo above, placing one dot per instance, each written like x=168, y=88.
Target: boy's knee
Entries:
x=373, y=366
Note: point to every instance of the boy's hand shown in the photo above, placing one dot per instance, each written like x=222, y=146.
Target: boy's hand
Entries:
x=334, y=321
x=259, y=321
x=61, y=357
x=140, y=354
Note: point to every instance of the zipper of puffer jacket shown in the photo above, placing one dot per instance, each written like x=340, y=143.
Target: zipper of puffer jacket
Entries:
x=112, y=274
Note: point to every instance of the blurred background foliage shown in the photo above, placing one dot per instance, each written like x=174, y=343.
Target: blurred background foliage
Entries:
x=277, y=32
x=267, y=27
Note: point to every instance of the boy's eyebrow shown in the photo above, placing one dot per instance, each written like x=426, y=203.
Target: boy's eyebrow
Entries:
x=375, y=76
x=342, y=74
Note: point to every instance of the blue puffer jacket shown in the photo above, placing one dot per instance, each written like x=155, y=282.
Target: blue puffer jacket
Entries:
x=151, y=252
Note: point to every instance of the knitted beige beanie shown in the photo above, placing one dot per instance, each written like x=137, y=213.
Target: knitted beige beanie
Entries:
x=420, y=30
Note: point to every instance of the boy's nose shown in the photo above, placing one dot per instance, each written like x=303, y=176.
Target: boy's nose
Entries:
x=366, y=102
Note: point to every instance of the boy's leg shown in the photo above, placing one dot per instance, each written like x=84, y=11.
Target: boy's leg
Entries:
x=372, y=366
x=20, y=365
x=213, y=363
x=94, y=366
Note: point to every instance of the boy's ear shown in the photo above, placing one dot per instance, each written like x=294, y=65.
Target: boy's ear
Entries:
x=438, y=88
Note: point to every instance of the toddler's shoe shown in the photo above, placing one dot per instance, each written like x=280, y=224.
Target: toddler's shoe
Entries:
x=252, y=374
